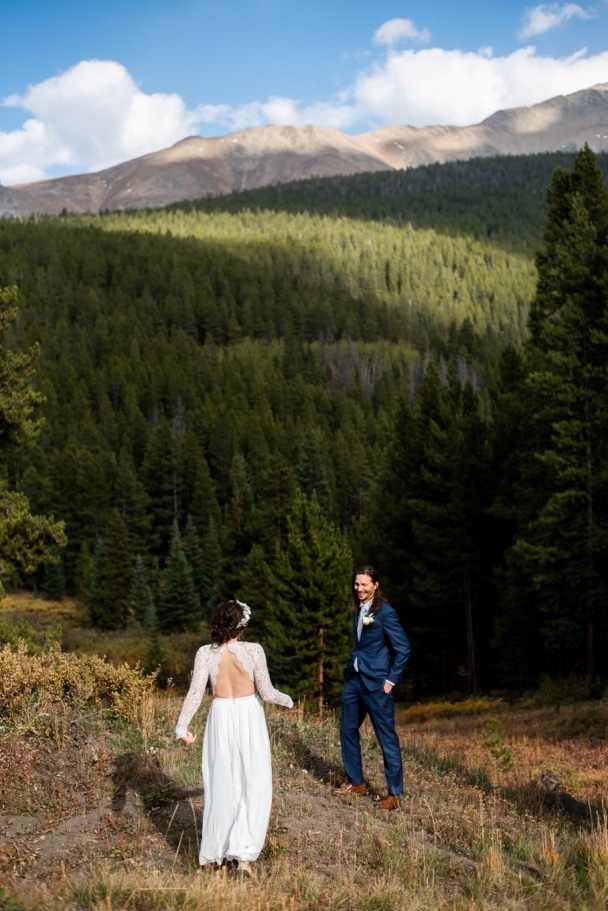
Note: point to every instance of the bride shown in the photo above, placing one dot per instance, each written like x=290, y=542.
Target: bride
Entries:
x=237, y=771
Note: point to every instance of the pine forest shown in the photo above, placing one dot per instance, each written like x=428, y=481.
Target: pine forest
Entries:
x=248, y=396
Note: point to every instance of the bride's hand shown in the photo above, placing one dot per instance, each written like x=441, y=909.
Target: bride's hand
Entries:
x=188, y=739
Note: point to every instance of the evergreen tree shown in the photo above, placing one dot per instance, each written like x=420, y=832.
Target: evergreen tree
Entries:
x=95, y=599
x=428, y=516
x=143, y=611
x=194, y=555
x=516, y=487
x=141, y=601
x=387, y=536
x=238, y=525
x=84, y=569
x=306, y=623
x=311, y=472
x=82, y=473
x=24, y=538
x=53, y=581
x=178, y=601
x=159, y=477
x=18, y=399
x=353, y=475
x=131, y=500
x=565, y=546
x=107, y=600
x=211, y=553
x=240, y=508
x=198, y=490
x=275, y=490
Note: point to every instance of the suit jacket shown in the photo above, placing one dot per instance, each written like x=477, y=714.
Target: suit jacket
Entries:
x=382, y=651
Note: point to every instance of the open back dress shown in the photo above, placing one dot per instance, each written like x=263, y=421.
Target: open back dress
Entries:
x=237, y=769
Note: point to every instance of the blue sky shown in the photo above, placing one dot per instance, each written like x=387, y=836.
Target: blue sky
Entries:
x=85, y=85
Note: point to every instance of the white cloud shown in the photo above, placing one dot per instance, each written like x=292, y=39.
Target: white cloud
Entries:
x=91, y=117
x=435, y=86
x=94, y=115
x=432, y=86
x=396, y=30
x=25, y=154
x=545, y=17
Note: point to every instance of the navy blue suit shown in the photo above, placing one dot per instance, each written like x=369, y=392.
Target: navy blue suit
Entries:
x=380, y=654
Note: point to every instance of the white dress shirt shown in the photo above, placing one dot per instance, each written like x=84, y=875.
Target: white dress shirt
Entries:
x=363, y=609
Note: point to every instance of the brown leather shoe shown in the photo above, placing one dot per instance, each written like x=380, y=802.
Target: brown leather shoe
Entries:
x=348, y=789
x=388, y=803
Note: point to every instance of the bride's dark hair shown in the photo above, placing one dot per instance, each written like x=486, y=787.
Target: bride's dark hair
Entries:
x=226, y=617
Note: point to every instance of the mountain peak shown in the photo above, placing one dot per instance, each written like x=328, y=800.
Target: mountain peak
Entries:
x=196, y=167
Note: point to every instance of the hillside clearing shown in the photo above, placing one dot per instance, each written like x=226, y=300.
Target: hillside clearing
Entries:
x=108, y=816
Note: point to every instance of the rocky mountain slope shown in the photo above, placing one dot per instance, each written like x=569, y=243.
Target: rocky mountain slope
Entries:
x=196, y=167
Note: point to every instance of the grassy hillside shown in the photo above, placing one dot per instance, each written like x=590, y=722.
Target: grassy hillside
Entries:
x=104, y=812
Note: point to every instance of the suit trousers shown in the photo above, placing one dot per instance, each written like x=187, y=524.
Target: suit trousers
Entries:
x=357, y=703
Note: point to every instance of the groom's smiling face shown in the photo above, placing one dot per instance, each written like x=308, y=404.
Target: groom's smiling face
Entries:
x=364, y=588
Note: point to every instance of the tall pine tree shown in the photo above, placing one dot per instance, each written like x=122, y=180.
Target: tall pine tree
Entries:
x=305, y=620
x=565, y=546
x=25, y=539
x=427, y=518
x=211, y=553
x=141, y=600
x=107, y=600
x=178, y=602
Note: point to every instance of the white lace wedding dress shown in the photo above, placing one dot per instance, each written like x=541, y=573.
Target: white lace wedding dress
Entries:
x=237, y=770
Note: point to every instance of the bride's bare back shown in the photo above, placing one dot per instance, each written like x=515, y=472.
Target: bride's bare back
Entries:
x=234, y=669
x=233, y=680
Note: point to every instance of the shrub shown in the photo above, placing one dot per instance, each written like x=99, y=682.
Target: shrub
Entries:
x=493, y=740
x=81, y=682
x=474, y=705
x=563, y=691
x=14, y=631
x=588, y=720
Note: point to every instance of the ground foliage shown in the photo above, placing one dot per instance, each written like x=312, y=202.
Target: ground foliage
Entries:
x=98, y=815
x=39, y=684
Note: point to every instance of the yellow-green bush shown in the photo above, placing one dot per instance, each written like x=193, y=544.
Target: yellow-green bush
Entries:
x=471, y=706
x=75, y=681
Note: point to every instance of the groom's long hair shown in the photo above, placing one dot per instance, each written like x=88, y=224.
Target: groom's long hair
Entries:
x=379, y=595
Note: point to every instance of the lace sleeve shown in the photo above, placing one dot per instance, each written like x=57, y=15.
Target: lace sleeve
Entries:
x=194, y=698
x=262, y=679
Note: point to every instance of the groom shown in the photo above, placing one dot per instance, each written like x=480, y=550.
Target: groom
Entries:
x=377, y=664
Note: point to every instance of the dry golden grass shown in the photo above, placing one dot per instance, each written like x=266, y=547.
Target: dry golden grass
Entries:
x=41, y=612
x=106, y=816
x=467, y=835
x=568, y=740
x=474, y=705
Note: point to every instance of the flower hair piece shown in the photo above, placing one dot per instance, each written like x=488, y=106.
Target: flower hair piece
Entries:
x=246, y=614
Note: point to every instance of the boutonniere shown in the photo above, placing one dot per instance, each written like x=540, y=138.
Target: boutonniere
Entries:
x=367, y=619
